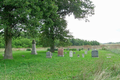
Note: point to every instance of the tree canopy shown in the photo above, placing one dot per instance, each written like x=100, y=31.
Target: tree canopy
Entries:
x=44, y=16
x=56, y=30
x=19, y=15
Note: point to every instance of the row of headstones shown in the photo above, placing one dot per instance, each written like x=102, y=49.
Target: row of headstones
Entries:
x=61, y=54
x=78, y=49
x=34, y=48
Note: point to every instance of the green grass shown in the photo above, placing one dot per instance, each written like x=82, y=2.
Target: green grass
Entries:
x=38, y=67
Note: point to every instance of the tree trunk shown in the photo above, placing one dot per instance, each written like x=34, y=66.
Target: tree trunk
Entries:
x=8, y=45
x=52, y=48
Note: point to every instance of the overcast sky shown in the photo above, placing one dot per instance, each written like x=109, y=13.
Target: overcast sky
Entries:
x=103, y=27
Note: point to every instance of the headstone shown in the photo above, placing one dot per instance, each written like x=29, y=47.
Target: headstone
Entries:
x=85, y=52
x=78, y=55
x=77, y=49
x=71, y=54
x=23, y=55
x=88, y=49
x=33, y=47
x=83, y=55
x=60, y=52
x=109, y=56
x=48, y=55
x=94, y=53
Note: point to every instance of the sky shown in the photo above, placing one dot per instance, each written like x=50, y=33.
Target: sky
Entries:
x=103, y=27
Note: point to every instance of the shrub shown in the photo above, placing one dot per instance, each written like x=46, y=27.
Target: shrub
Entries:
x=48, y=49
x=103, y=48
x=54, y=49
x=81, y=48
x=28, y=49
x=73, y=49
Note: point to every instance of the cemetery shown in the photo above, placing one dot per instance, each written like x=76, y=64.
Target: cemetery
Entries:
x=83, y=65
x=37, y=44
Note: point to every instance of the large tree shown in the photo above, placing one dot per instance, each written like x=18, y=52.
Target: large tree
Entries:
x=19, y=15
x=55, y=29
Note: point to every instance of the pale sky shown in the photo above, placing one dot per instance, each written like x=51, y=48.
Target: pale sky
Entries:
x=103, y=27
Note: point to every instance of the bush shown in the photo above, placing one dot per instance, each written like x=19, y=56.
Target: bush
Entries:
x=73, y=49
x=81, y=48
x=54, y=49
x=103, y=48
x=28, y=49
x=48, y=49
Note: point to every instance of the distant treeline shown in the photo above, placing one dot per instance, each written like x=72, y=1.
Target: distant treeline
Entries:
x=112, y=43
x=26, y=42
x=79, y=42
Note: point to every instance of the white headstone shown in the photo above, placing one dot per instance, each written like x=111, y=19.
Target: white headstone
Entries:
x=85, y=52
x=83, y=55
x=71, y=54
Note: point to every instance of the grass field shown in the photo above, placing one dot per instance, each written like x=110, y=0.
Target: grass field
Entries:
x=38, y=67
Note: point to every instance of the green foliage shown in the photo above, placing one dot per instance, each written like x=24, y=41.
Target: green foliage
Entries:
x=54, y=49
x=79, y=42
x=81, y=48
x=23, y=15
x=28, y=49
x=73, y=49
x=22, y=42
x=79, y=8
x=55, y=27
x=2, y=42
x=103, y=48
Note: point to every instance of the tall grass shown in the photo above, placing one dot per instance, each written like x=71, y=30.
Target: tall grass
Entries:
x=38, y=67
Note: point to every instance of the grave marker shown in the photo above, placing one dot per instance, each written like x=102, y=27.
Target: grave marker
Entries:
x=94, y=53
x=48, y=55
x=60, y=52
x=88, y=49
x=78, y=55
x=71, y=54
x=83, y=55
x=85, y=52
x=33, y=48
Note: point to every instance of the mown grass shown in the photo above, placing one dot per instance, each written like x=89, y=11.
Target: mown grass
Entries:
x=25, y=66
